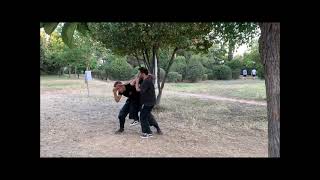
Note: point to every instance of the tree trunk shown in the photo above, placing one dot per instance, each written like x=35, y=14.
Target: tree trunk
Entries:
x=165, y=76
x=139, y=64
x=269, y=47
x=154, y=64
x=75, y=71
x=145, y=60
x=231, y=50
x=69, y=71
x=158, y=67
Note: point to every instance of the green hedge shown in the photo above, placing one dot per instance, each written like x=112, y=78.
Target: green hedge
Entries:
x=221, y=72
x=174, y=77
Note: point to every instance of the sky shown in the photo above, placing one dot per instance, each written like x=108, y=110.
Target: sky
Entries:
x=242, y=49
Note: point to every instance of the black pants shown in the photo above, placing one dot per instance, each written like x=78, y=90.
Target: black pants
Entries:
x=131, y=108
x=147, y=119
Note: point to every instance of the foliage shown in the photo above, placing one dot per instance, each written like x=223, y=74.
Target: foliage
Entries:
x=179, y=65
x=120, y=69
x=195, y=70
x=205, y=77
x=68, y=30
x=174, y=77
x=234, y=64
x=235, y=73
x=221, y=72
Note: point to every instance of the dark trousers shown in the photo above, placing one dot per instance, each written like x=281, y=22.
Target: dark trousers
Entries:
x=147, y=119
x=131, y=108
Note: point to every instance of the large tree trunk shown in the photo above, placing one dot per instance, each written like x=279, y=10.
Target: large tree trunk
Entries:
x=154, y=64
x=158, y=81
x=269, y=47
x=165, y=76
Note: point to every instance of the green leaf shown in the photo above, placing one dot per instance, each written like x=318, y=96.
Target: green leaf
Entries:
x=67, y=33
x=83, y=28
x=49, y=27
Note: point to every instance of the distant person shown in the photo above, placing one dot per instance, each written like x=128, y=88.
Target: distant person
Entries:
x=253, y=73
x=244, y=74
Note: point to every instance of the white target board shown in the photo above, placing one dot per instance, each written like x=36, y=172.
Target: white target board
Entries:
x=88, y=76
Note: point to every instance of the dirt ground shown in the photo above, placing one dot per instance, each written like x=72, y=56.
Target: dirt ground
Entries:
x=75, y=125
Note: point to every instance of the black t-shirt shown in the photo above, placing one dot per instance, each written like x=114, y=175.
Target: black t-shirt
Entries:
x=131, y=93
x=148, y=96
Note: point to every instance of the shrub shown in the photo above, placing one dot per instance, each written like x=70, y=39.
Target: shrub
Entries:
x=205, y=77
x=162, y=73
x=260, y=72
x=179, y=65
x=221, y=72
x=120, y=69
x=174, y=77
x=234, y=64
x=194, y=70
x=236, y=73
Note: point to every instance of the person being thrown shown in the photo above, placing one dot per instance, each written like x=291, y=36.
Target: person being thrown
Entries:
x=131, y=105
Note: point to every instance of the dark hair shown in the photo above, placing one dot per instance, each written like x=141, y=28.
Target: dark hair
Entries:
x=116, y=83
x=144, y=70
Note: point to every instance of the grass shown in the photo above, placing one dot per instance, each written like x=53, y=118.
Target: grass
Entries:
x=224, y=114
x=241, y=89
x=192, y=127
x=53, y=82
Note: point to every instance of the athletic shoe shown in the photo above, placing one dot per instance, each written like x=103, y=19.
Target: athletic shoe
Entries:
x=144, y=135
x=119, y=131
x=134, y=123
x=150, y=135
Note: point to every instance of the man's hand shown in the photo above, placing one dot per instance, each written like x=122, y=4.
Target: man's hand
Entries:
x=114, y=89
x=133, y=82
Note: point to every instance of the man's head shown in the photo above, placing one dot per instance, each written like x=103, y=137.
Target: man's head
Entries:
x=143, y=72
x=119, y=86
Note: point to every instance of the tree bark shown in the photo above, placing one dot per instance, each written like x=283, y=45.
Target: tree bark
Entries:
x=230, y=51
x=165, y=76
x=69, y=71
x=157, y=55
x=75, y=71
x=269, y=48
x=139, y=64
x=145, y=60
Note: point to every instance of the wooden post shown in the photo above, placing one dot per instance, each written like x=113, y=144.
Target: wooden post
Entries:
x=87, y=82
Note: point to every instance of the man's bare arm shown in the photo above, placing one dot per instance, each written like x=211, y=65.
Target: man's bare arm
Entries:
x=137, y=86
x=116, y=96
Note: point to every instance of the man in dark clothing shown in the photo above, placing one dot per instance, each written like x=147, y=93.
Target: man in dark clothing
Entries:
x=132, y=105
x=147, y=100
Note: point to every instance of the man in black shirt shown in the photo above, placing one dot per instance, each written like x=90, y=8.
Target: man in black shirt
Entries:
x=148, y=100
x=132, y=105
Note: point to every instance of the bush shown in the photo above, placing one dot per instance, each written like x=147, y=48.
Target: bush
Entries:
x=260, y=72
x=222, y=72
x=210, y=75
x=234, y=64
x=194, y=70
x=179, y=65
x=174, y=77
x=236, y=73
x=120, y=69
x=162, y=73
x=205, y=77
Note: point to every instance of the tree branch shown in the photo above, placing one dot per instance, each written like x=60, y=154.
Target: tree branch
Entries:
x=168, y=67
